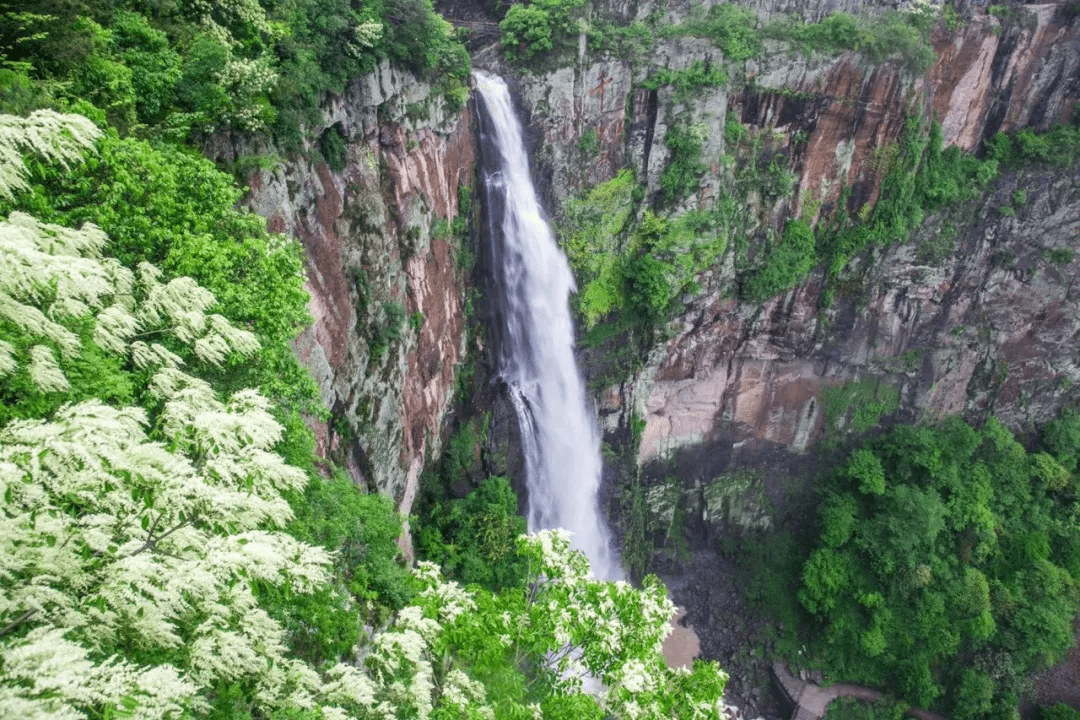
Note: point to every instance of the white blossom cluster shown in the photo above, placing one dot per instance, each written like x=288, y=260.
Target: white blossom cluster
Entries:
x=368, y=33
x=248, y=78
x=51, y=274
x=927, y=8
x=115, y=535
x=53, y=136
x=227, y=18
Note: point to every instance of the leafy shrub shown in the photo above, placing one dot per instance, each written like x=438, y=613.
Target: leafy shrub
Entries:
x=629, y=42
x=539, y=27
x=786, y=263
x=892, y=34
x=101, y=78
x=1059, y=711
x=589, y=143
x=682, y=174
x=525, y=31
x=648, y=290
x=686, y=82
x=155, y=66
x=1060, y=256
x=332, y=147
x=734, y=131
x=833, y=35
x=177, y=69
x=362, y=531
x=474, y=538
x=591, y=231
x=381, y=333
x=730, y=27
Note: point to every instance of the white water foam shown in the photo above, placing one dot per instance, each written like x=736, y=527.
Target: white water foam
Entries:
x=559, y=436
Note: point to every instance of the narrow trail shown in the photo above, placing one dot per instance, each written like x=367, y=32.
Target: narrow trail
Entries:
x=811, y=700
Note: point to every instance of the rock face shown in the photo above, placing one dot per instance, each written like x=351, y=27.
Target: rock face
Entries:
x=386, y=290
x=990, y=329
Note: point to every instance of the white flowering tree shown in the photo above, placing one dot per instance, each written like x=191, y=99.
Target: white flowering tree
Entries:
x=130, y=541
x=566, y=646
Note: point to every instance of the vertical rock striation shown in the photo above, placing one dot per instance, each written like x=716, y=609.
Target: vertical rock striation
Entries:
x=749, y=373
x=386, y=289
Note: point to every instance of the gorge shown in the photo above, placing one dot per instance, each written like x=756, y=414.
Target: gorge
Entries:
x=715, y=419
x=821, y=260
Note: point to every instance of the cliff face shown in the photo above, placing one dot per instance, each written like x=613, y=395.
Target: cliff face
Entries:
x=386, y=290
x=978, y=313
x=990, y=329
x=986, y=326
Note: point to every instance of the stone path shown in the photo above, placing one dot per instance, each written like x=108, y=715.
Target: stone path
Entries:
x=811, y=700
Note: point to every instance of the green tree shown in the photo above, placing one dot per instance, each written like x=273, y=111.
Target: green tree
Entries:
x=137, y=543
x=936, y=570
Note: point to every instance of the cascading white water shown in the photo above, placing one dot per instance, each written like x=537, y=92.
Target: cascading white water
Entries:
x=559, y=436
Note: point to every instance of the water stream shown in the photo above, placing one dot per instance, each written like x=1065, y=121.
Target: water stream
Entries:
x=559, y=437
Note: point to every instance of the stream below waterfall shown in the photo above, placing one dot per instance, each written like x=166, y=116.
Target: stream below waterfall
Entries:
x=532, y=281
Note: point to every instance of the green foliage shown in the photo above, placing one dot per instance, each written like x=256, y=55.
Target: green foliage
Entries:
x=933, y=542
x=729, y=26
x=921, y=177
x=176, y=211
x=636, y=547
x=1061, y=438
x=833, y=35
x=864, y=468
x=332, y=147
x=369, y=579
x=880, y=38
x=1060, y=256
x=526, y=31
x=474, y=538
x=539, y=27
x=589, y=143
x=734, y=131
x=1059, y=146
x=857, y=406
x=632, y=42
x=591, y=231
x=155, y=65
x=786, y=263
x=1059, y=711
x=386, y=330
x=632, y=273
x=179, y=71
x=924, y=177
x=682, y=174
x=687, y=82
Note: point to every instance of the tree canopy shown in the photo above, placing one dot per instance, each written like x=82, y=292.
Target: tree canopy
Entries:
x=153, y=565
x=947, y=563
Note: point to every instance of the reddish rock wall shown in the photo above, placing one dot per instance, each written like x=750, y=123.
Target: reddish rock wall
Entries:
x=369, y=232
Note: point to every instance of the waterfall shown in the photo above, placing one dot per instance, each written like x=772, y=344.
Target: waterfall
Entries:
x=532, y=280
